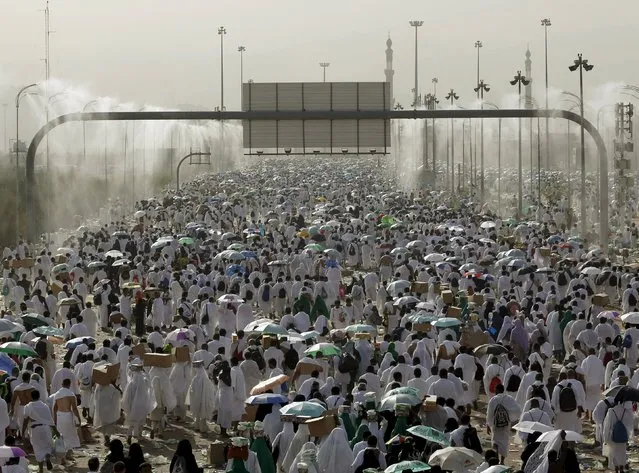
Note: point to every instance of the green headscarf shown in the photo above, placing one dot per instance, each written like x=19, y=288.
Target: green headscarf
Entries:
x=392, y=351
x=303, y=304
x=401, y=425
x=347, y=423
x=359, y=435
x=238, y=466
x=319, y=307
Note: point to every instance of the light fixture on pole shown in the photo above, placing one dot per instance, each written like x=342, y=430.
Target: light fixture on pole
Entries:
x=520, y=80
x=581, y=64
x=480, y=89
x=241, y=50
x=452, y=96
x=546, y=23
x=19, y=95
x=324, y=65
x=416, y=24
x=221, y=31
x=478, y=46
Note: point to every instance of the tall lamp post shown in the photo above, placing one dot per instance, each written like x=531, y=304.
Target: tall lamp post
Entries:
x=49, y=108
x=546, y=23
x=452, y=96
x=581, y=64
x=480, y=89
x=431, y=104
x=19, y=95
x=416, y=24
x=478, y=46
x=520, y=80
x=241, y=50
x=4, y=119
x=84, y=131
x=221, y=31
x=324, y=65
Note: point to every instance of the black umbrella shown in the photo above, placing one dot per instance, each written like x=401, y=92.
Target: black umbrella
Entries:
x=490, y=349
x=626, y=394
x=602, y=278
x=318, y=237
x=526, y=270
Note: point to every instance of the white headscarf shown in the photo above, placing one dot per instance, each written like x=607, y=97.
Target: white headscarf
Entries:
x=335, y=454
x=301, y=437
x=386, y=362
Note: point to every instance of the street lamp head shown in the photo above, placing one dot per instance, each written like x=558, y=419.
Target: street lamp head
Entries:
x=416, y=23
x=587, y=66
x=574, y=67
x=525, y=81
x=514, y=81
x=324, y=64
x=486, y=88
x=545, y=22
x=221, y=30
x=435, y=80
x=478, y=44
x=241, y=49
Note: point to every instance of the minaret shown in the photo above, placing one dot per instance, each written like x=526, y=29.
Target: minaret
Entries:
x=528, y=91
x=389, y=72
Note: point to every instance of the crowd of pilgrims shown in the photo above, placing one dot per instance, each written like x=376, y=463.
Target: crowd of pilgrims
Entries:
x=251, y=270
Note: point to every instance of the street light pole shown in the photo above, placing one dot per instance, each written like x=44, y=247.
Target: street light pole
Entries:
x=324, y=65
x=416, y=24
x=221, y=31
x=452, y=96
x=84, y=132
x=241, y=50
x=480, y=89
x=4, y=112
x=478, y=46
x=18, y=97
x=546, y=23
x=518, y=80
x=581, y=64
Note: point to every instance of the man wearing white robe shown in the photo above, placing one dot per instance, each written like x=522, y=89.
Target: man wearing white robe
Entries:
x=65, y=413
x=201, y=395
x=239, y=391
x=501, y=434
x=568, y=420
x=137, y=402
x=617, y=451
x=4, y=420
x=106, y=401
x=37, y=416
x=594, y=372
x=180, y=379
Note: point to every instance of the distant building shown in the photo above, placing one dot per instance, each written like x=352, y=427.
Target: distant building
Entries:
x=389, y=72
x=528, y=100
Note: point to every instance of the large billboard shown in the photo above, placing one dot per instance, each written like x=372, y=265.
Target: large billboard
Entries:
x=316, y=136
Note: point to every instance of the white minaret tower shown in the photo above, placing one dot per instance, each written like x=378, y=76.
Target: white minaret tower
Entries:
x=528, y=88
x=389, y=72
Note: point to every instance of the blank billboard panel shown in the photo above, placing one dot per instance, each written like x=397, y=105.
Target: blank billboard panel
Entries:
x=289, y=97
x=317, y=97
x=345, y=96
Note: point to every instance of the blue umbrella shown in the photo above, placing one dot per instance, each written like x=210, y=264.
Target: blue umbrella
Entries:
x=233, y=269
x=553, y=239
x=74, y=342
x=249, y=254
x=267, y=398
x=6, y=363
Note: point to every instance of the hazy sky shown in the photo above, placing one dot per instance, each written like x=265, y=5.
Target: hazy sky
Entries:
x=167, y=52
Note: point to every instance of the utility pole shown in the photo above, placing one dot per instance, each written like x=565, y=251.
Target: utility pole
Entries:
x=478, y=46
x=324, y=65
x=221, y=31
x=416, y=24
x=4, y=119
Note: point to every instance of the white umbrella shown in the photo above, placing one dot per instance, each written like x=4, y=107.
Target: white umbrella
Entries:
x=115, y=254
x=230, y=299
x=487, y=225
x=406, y=300
x=530, y=427
x=552, y=435
x=456, y=458
x=139, y=214
x=416, y=244
x=630, y=318
x=498, y=469
x=434, y=258
x=398, y=286
x=591, y=271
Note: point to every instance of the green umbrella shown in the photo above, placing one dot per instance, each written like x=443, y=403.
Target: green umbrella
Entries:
x=17, y=348
x=430, y=434
x=33, y=320
x=389, y=402
x=186, y=241
x=403, y=390
x=314, y=247
x=422, y=318
x=96, y=265
x=60, y=268
x=411, y=465
x=447, y=322
x=270, y=329
x=236, y=247
x=48, y=331
x=361, y=328
x=313, y=230
x=326, y=349
x=303, y=409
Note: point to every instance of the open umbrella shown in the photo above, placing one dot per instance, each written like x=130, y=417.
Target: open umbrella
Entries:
x=180, y=334
x=499, y=469
x=230, y=299
x=130, y=285
x=490, y=349
x=115, y=254
x=591, y=271
x=361, y=328
x=303, y=409
x=268, y=398
x=608, y=314
x=121, y=262
x=68, y=301
x=11, y=452
x=551, y=435
x=333, y=254
x=530, y=427
x=270, y=329
x=6, y=326
x=390, y=402
x=326, y=349
x=434, y=258
x=60, y=268
x=456, y=458
x=409, y=465
x=96, y=265
x=17, y=348
x=487, y=225
x=269, y=384
x=314, y=247
x=626, y=394
x=74, y=342
x=405, y=301
x=401, y=285
x=430, y=434
x=33, y=320
x=630, y=318
x=47, y=331
x=445, y=322
x=403, y=390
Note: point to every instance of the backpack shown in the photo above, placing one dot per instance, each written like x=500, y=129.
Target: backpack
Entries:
x=249, y=295
x=496, y=381
x=513, y=383
x=612, y=280
x=471, y=440
x=266, y=294
x=502, y=417
x=254, y=354
x=256, y=282
x=619, y=432
x=41, y=349
x=479, y=372
x=281, y=293
x=562, y=280
x=351, y=250
x=97, y=299
x=347, y=363
x=221, y=287
x=179, y=466
x=632, y=300
x=291, y=358
x=375, y=318
x=627, y=341
x=567, y=399
x=537, y=391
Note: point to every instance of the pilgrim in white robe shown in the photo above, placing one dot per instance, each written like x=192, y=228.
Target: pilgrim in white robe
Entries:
x=137, y=403
x=201, y=395
x=617, y=451
x=594, y=373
